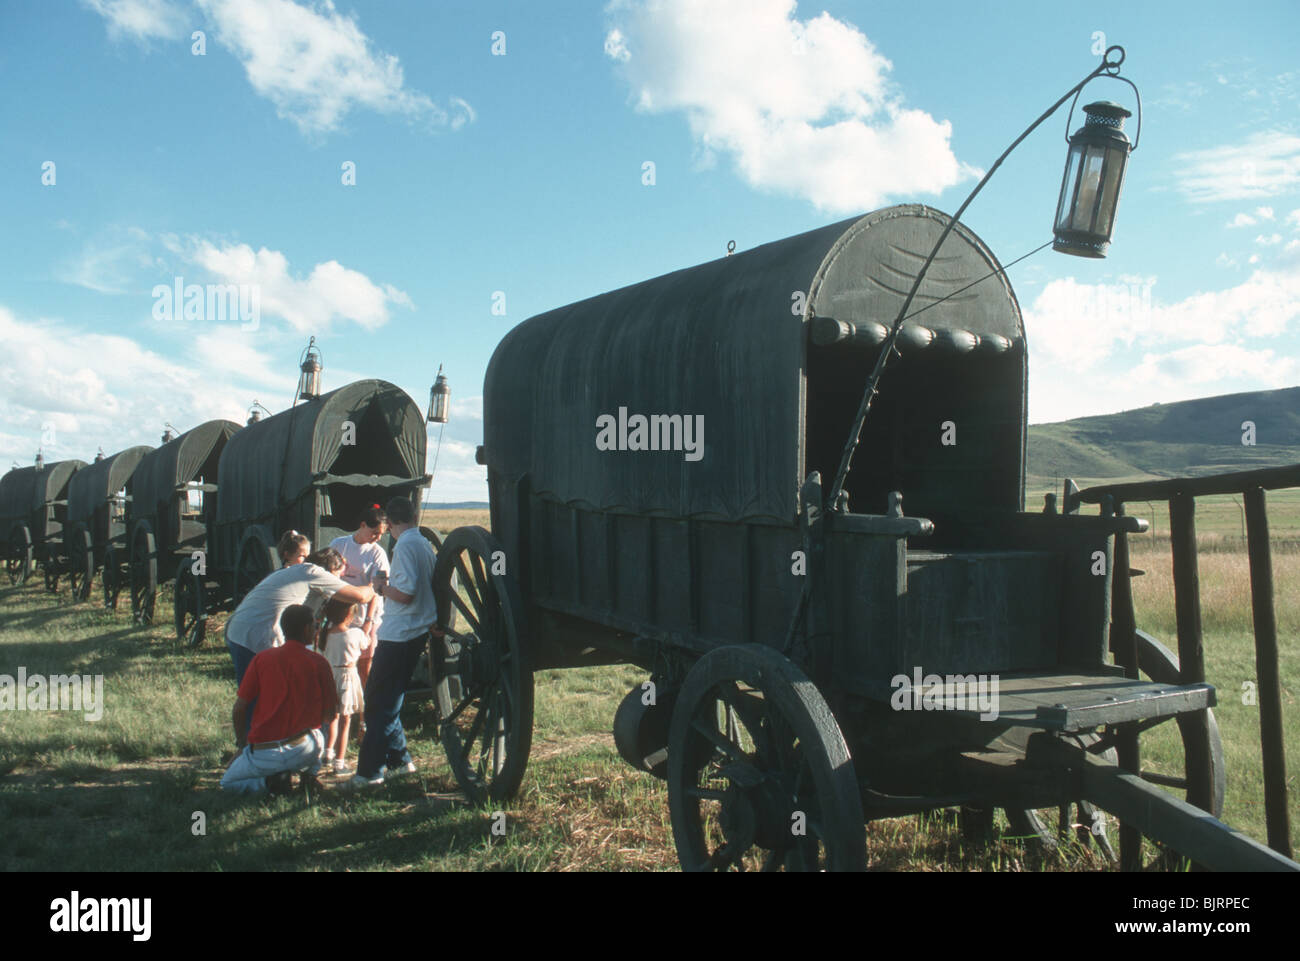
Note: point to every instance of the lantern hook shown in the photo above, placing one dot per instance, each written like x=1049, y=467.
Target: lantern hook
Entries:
x=1109, y=68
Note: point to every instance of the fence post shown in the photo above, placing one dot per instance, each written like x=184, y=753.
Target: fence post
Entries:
x=1191, y=653
x=1266, y=671
x=1123, y=644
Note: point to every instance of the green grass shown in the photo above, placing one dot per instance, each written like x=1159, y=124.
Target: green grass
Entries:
x=121, y=793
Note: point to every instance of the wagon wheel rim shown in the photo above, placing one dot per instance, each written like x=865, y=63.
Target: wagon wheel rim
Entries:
x=144, y=574
x=759, y=776
x=111, y=580
x=484, y=684
x=81, y=564
x=18, y=556
x=188, y=606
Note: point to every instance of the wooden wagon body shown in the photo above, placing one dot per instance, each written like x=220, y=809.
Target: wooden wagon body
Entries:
x=174, y=493
x=33, y=510
x=98, y=495
x=654, y=459
x=313, y=468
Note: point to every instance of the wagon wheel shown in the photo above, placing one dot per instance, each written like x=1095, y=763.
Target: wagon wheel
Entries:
x=759, y=776
x=81, y=563
x=1050, y=828
x=113, y=577
x=144, y=573
x=18, y=556
x=256, y=559
x=189, y=605
x=484, y=688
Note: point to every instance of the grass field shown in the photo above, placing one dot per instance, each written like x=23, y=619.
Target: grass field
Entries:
x=130, y=790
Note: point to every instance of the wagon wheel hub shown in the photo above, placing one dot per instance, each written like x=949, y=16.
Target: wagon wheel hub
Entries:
x=755, y=809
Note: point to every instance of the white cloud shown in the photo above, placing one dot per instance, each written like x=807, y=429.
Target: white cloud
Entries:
x=1084, y=324
x=141, y=20
x=803, y=107
x=1057, y=392
x=616, y=46
x=1263, y=165
x=107, y=261
x=1293, y=218
x=316, y=65
x=90, y=389
x=1249, y=220
x=311, y=304
x=1268, y=241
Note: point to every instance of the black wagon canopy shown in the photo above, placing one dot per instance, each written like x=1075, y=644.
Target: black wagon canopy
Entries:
x=25, y=489
x=726, y=348
x=171, y=466
x=95, y=483
x=368, y=433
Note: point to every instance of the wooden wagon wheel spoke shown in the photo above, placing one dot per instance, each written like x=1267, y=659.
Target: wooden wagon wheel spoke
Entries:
x=465, y=612
x=716, y=738
x=471, y=587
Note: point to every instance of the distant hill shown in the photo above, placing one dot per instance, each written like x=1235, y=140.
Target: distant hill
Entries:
x=1201, y=436
x=457, y=506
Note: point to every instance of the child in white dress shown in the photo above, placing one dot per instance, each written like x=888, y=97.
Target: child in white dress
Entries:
x=343, y=645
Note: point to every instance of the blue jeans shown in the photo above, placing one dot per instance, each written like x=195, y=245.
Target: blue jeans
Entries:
x=385, y=742
x=242, y=657
x=250, y=769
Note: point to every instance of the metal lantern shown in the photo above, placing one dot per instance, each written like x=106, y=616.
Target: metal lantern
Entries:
x=255, y=412
x=439, y=400
x=1094, y=174
x=309, y=380
x=40, y=461
x=167, y=435
x=99, y=455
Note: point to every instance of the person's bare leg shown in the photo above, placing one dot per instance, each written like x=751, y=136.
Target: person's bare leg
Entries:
x=341, y=750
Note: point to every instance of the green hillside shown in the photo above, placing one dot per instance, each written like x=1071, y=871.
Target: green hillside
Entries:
x=1202, y=436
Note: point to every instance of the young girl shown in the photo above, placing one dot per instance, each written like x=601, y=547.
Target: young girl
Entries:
x=343, y=645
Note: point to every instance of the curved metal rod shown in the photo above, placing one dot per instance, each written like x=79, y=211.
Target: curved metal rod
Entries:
x=1106, y=67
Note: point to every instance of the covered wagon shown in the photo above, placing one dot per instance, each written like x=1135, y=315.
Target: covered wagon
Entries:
x=33, y=509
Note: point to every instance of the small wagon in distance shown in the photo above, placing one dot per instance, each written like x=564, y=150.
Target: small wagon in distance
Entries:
x=174, y=491
x=313, y=468
x=96, y=520
x=33, y=509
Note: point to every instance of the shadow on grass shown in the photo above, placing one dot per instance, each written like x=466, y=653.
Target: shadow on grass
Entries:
x=143, y=817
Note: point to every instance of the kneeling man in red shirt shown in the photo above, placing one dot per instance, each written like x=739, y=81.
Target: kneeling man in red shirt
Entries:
x=295, y=695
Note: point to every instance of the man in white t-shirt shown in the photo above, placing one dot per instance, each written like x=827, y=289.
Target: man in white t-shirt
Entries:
x=364, y=559
x=409, y=613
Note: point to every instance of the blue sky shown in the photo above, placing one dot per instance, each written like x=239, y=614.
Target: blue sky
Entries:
x=517, y=180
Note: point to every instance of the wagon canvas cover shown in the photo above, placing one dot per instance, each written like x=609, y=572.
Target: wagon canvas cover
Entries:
x=174, y=463
x=273, y=462
x=727, y=342
x=96, y=483
x=21, y=492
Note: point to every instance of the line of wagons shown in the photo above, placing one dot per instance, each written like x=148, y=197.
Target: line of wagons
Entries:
x=205, y=509
x=773, y=626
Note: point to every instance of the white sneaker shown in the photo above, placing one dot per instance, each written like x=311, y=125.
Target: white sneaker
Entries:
x=359, y=783
x=340, y=766
x=329, y=755
x=400, y=770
